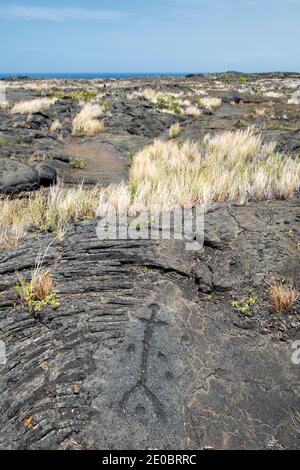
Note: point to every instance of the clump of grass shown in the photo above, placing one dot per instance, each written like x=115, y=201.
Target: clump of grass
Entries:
x=40, y=291
x=33, y=106
x=193, y=111
x=86, y=122
x=83, y=96
x=78, y=163
x=210, y=103
x=11, y=236
x=47, y=211
x=174, y=130
x=175, y=108
x=105, y=106
x=282, y=296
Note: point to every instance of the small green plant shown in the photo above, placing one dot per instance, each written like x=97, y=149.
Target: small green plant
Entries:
x=257, y=88
x=241, y=123
x=175, y=107
x=80, y=130
x=78, y=163
x=84, y=95
x=289, y=233
x=138, y=227
x=228, y=79
x=245, y=304
x=209, y=297
x=162, y=103
x=38, y=293
x=133, y=187
x=243, y=79
x=2, y=141
x=105, y=106
x=131, y=156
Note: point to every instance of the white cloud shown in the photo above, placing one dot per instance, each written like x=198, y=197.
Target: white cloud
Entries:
x=21, y=12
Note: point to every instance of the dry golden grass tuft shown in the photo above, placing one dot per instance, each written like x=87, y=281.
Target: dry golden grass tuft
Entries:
x=174, y=130
x=282, y=297
x=193, y=111
x=86, y=122
x=210, y=103
x=41, y=285
x=33, y=106
x=11, y=236
x=40, y=291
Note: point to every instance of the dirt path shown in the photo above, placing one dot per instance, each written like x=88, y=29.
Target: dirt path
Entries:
x=103, y=163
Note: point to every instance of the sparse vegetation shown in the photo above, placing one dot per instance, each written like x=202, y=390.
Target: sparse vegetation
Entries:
x=231, y=166
x=83, y=95
x=164, y=101
x=246, y=303
x=282, y=296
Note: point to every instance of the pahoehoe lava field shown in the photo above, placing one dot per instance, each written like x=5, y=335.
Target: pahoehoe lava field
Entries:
x=142, y=344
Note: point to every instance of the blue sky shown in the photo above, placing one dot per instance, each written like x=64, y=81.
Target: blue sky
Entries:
x=149, y=36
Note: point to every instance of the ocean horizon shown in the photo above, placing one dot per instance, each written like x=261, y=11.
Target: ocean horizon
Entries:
x=91, y=76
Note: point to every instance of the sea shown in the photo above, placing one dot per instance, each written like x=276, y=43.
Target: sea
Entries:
x=91, y=76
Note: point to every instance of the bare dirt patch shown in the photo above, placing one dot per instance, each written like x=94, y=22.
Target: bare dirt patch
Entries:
x=102, y=163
